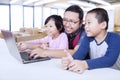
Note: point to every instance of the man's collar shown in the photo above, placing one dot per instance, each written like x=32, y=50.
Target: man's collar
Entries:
x=76, y=32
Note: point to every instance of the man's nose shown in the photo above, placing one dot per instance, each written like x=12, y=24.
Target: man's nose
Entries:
x=67, y=24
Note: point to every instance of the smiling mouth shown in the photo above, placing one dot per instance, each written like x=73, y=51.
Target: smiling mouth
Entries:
x=69, y=28
x=49, y=32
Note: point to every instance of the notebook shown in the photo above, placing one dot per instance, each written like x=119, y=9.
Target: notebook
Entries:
x=22, y=56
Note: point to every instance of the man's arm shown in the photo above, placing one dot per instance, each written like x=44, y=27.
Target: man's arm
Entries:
x=58, y=53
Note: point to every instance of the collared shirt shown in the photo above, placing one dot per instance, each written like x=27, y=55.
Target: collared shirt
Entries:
x=75, y=37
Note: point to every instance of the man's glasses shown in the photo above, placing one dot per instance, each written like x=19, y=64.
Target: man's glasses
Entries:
x=70, y=21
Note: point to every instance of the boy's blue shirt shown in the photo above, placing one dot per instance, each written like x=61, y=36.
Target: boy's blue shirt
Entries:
x=111, y=51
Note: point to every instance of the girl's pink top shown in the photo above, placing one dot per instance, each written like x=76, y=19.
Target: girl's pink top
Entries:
x=61, y=42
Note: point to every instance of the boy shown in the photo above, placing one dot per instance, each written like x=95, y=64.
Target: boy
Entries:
x=104, y=47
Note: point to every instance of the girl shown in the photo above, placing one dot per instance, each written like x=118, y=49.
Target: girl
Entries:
x=56, y=38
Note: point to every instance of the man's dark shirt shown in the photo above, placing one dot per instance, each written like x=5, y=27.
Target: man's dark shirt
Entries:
x=75, y=37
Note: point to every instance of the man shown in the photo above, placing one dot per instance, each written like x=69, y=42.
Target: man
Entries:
x=73, y=25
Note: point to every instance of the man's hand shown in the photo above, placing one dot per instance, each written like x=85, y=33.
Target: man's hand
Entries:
x=38, y=52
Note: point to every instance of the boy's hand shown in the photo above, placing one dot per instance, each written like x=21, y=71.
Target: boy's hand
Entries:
x=66, y=60
x=77, y=66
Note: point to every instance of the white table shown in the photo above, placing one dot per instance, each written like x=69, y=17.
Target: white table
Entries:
x=11, y=69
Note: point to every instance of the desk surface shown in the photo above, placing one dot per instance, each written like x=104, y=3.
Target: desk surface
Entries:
x=11, y=69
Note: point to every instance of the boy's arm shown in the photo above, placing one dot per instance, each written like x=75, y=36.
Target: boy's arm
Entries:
x=110, y=57
x=83, y=49
x=107, y=61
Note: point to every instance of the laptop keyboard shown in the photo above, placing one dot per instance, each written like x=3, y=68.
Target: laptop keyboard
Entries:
x=26, y=56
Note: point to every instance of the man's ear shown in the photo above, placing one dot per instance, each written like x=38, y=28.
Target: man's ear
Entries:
x=81, y=21
x=103, y=25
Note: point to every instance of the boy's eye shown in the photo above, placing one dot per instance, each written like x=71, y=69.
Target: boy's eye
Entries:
x=89, y=22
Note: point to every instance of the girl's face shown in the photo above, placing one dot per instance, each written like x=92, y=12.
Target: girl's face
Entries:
x=92, y=27
x=51, y=28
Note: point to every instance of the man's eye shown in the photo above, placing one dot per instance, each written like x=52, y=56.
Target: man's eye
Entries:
x=64, y=20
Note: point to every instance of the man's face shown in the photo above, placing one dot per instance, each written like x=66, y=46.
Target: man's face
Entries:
x=71, y=22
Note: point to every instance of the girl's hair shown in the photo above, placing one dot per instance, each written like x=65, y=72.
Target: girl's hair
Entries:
x=58, y=22
x=77, y=9
x=101, y=15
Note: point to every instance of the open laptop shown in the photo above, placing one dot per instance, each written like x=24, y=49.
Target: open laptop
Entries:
x=22, y=56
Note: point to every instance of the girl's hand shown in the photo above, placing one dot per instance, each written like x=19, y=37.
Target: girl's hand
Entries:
x=22, y=46
x=44, y=46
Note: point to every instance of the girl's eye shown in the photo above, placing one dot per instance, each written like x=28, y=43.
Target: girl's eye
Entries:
x=50, y=26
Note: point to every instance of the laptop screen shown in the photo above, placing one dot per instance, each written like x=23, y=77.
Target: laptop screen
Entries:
x=11, y=44
x=12, y=47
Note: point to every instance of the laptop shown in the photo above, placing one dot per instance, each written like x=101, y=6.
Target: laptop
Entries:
x=22, y=56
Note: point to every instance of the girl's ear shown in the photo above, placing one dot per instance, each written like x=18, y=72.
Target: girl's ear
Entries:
x=103, y=25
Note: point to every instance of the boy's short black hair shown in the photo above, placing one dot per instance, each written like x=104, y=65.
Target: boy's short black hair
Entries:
x=58, y=22
x=77, y=9
x=101, y=15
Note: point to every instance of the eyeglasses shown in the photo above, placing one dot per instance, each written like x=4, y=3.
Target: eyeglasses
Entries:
x=70, y=21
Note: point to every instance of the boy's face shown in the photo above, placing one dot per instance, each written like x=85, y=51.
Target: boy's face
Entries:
x=71, y=22
x=92, y=27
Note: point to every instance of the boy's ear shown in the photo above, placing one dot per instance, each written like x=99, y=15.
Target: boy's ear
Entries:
x=103, y=25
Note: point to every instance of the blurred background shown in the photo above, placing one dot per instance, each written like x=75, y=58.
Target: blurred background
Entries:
x=18, y=14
